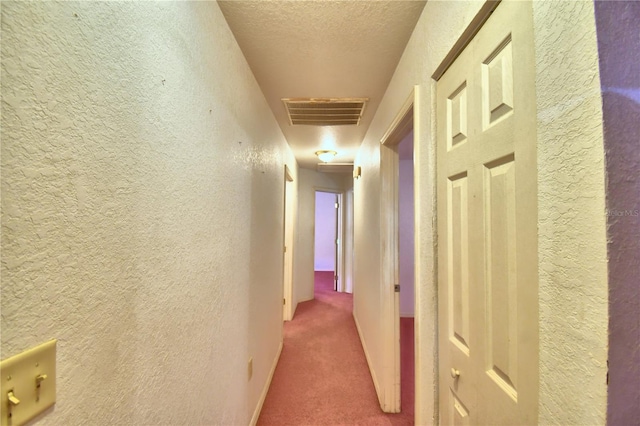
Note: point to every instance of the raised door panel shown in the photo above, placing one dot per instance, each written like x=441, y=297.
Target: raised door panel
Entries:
x=458, y=262
x=501, y=286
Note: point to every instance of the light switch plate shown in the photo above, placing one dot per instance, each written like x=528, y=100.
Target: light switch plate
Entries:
x=21, y=375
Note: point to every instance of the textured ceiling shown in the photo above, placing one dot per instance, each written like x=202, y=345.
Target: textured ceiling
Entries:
x=322, y=49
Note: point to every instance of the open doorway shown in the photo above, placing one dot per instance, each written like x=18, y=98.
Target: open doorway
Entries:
x=397, y=270
x=406, y=266
x=327, y=250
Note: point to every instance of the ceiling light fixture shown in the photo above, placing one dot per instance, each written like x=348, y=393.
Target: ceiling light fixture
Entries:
x=326, y=156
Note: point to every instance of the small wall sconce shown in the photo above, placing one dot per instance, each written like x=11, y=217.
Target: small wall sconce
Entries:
x=325, y=156
x=357, y=172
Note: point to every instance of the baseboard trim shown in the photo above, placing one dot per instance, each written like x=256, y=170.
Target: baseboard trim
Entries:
x=366, y=355
x=263, y=396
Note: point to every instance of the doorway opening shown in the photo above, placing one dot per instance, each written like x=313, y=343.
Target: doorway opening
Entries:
x=397, y=216
x=328, y=253
x=406, y=275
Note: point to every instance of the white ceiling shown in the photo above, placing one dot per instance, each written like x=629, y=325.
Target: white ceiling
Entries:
x=322, y=49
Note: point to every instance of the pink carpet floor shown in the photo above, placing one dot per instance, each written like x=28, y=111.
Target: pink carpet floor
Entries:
x=322, y=377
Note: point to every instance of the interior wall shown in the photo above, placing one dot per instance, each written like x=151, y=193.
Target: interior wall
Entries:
x=619, y=50
x=406, y=237
x=573, y=299
x=325, y=232
x=572, y=246
x=309, y=182
x=142, y=206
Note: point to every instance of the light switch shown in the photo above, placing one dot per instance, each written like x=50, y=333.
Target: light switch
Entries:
x=28, y=384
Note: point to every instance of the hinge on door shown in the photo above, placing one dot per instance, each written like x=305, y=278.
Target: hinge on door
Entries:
x=337, y=205
x=396, y=288
x=285, y=249
x=284, y=301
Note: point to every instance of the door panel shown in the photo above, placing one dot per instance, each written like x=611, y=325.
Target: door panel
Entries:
x=459, y=412
x=500, y=275
x=487, y=222
x=458, y=268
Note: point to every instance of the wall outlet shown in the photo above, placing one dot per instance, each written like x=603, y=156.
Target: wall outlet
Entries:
x=250, y=368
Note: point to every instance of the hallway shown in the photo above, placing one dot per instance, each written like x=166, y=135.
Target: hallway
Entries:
x=148, y=170
x=322, y=375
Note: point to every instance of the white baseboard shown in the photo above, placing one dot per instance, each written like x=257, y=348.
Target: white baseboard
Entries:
x=366, y=355
x=263, y=396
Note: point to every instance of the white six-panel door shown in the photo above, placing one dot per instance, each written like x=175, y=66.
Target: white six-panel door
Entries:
x=487, y=218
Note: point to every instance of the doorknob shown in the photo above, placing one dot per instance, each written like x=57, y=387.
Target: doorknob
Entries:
x=455, y=373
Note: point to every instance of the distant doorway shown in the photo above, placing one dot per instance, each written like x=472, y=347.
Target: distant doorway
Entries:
x=397, y=216
x=327, y=244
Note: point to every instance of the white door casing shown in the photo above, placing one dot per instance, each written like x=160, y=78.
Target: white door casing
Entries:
x=340, y=237
x=402, y=124
x=487, y=226
x=336, y=240
x=287, y=305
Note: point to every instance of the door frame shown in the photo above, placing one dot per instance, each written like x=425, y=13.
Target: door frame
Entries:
x=288, y=220
x=405, y=120
x=348, y=248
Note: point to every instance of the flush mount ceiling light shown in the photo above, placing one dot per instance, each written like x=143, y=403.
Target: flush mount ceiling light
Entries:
x=326, y=156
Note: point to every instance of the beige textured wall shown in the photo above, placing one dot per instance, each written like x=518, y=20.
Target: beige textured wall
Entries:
x=571, y=216
x=573, y=282
x=142, y=211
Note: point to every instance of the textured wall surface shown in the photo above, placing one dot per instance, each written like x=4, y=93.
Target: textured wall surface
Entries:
x=142, y=210
x=571, y=216
x=310, y=181
x=619, y=49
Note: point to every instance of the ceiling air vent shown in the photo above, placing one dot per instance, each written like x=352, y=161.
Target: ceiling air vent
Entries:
x=324, y=111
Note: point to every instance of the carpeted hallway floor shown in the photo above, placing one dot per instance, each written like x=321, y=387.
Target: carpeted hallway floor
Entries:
x=322, y=377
